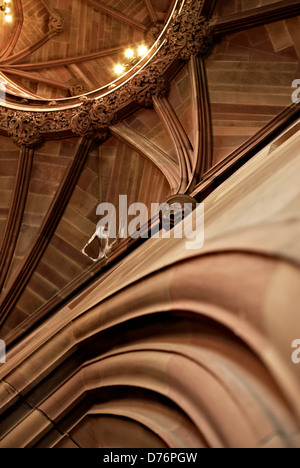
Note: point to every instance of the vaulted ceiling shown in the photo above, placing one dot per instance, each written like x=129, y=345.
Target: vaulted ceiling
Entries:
x=61, y=48
x=195, y=125
x=219, y=110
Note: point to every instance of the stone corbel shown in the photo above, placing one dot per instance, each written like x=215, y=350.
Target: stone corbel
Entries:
x=191, y=34
x=24, y=130
x=145, y=88
x=92, y=119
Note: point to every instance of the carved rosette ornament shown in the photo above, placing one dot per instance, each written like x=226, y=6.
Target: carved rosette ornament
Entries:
x=56, y=23
x=188, y=34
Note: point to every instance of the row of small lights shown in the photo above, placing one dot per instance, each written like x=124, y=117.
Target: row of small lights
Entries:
x=133, y=58
x=6, y=9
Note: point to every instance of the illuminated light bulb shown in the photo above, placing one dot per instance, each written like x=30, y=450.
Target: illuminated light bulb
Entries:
x=7, y=10
x=129, y=53
x=8, y=18
x=119, y=69
x=7, y=2
x=142, y=50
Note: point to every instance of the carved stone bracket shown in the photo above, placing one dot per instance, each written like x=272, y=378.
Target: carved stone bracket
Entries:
x=191, y=33
x=23, y=130
x=92, y=118
x=144, y=87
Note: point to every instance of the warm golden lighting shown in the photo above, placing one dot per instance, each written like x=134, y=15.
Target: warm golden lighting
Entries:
x=129, y=53
x=133, y=57
x=142, y=50
x=8, y=17
x=119, y=69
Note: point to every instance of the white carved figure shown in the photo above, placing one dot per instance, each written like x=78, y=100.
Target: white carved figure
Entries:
x=2, y=91
x=104, y=244
x=2, y=352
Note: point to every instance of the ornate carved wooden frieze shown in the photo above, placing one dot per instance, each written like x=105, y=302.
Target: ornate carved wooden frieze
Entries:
x=189, y=34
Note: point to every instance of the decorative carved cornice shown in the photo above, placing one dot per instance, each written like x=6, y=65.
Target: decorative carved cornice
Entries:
x=189, y=34
x=26, y=128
